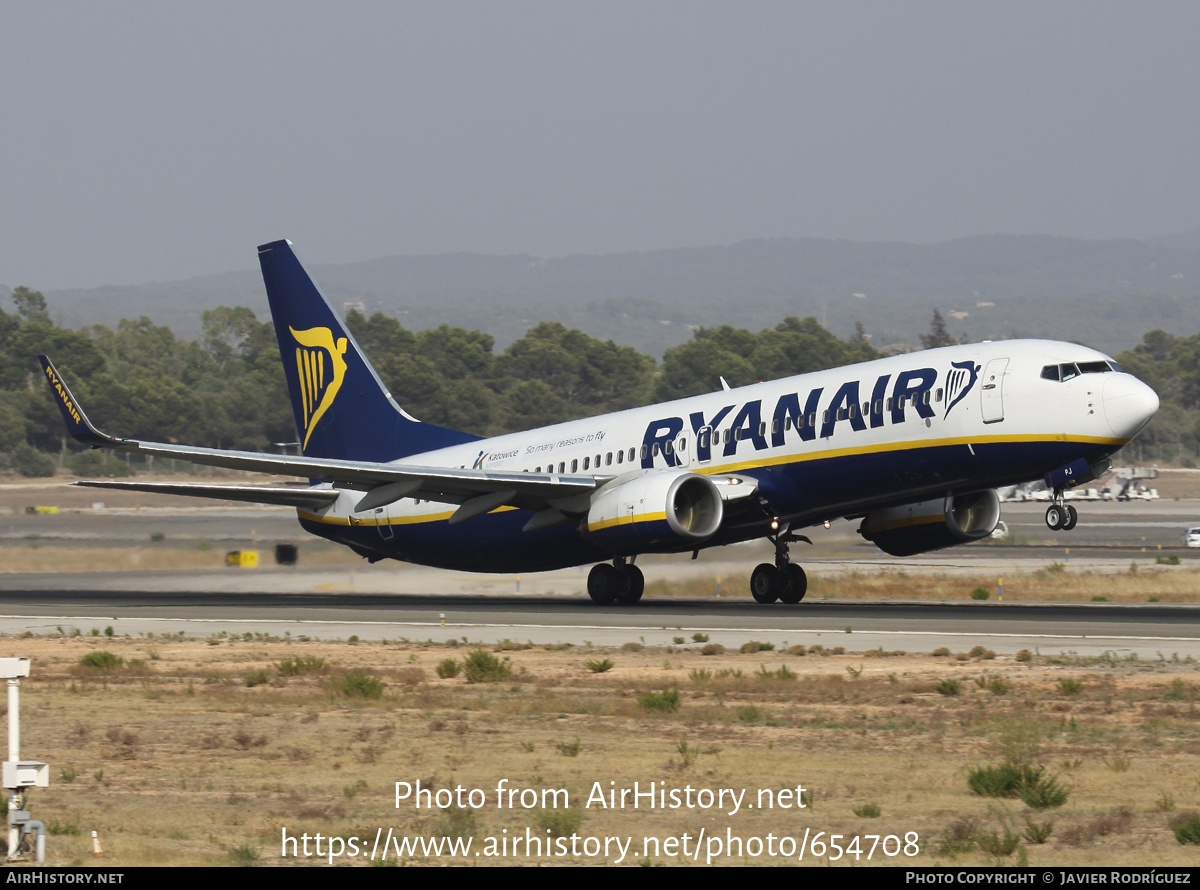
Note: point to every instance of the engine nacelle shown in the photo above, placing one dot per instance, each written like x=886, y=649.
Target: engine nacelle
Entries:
x=932, y=525
x=658, y=509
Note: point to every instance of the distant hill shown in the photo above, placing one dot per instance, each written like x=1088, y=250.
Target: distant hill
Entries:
x=1105, y=293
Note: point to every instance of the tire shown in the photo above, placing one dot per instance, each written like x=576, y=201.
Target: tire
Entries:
x=798, y=586
x=764, y=585
x=634, y=586
x=1072, y=518
x=603, y=583
x=1055, y=517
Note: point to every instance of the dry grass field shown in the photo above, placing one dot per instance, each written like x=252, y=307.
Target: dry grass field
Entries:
x=204, y=752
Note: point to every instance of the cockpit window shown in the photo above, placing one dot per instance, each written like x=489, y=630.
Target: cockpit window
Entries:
x=1068, y=370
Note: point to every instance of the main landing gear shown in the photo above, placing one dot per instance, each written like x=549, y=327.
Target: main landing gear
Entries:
x=1060, y=515
x=785, y=581
x=619, y=582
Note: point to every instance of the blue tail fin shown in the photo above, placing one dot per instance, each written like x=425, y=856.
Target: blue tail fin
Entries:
x=343, y=411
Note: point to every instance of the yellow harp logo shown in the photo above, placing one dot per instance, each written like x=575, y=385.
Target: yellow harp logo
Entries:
x=318, y=385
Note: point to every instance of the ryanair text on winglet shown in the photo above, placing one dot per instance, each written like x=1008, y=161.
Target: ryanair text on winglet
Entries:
x=63, y=397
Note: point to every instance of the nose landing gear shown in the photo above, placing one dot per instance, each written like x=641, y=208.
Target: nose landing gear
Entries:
x=1060, y=516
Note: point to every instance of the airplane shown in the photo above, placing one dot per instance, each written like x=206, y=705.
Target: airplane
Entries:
x=912, y=445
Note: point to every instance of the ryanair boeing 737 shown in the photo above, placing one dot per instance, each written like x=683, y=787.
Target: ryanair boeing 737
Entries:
x=913, y=445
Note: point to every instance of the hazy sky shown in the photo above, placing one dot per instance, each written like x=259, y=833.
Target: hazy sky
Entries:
x=150, y=141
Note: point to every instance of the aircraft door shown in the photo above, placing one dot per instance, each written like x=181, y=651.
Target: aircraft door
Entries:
x=682, y=449
x=383, y=521
x=992, y=394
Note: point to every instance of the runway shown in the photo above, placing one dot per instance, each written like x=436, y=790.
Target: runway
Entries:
x=394, y=601
x=1148, y=631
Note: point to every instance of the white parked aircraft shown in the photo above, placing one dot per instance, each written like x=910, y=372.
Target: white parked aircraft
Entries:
x=913, y=445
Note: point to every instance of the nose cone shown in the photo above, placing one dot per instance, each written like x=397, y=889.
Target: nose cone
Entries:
x=1128, y=404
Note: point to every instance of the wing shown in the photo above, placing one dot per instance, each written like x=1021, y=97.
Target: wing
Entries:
x=475, y=491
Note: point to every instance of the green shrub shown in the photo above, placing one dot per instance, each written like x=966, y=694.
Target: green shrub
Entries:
x=868, y=811
x=1024, y=655
x=482, y=666
x=662, y=702
x=980, y=593
x=997, y=844
x=712, y=649
x=448, y=669
x=102, y=661
x=358, y=684
x=1044, y=794
x=259, y=677
x=244, y=856
x=1070, y=686
x=457, y=822
x=699, y=638
x=1003, y=780
x=599, y=667
x=559, y=822
x=1038, y=832
x=302, y=664
x=569, y=749
x=1186, y=827
x=949, y=686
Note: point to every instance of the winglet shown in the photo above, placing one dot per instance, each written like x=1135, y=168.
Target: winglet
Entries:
x=77, y=423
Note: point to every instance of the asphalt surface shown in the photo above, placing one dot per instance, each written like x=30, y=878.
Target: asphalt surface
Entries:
x=393, y=601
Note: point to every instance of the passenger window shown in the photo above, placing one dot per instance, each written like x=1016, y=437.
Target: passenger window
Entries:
x=608, y=459
x=879, y=406
x=668, y=448
x=562, y=466
x=774, y=427
x=762, y=429
x=683, y=445
x=644, y=452
x=654, y=450
x=889, y=405
x=812, y=419
x=631, y=453
x=825, y=416
x=586, y=461
x=937, y=396
x=575, y=466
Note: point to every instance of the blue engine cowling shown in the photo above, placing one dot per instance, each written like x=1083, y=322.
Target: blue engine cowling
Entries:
x=932, y=525
x=655, y=510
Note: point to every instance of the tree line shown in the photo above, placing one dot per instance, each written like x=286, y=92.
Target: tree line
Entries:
x=226, y=389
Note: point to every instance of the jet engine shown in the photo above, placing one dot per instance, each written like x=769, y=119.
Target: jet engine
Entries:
x=932, y=525
x=658, y=509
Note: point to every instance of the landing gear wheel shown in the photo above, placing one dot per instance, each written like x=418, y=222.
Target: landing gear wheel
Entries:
x=1072, y=518
x=798, y=586
x=633, y=587
x=1055, y=517
x=603, y=584
x=764, y=584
